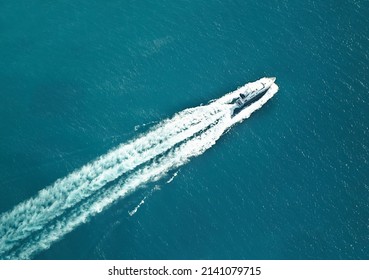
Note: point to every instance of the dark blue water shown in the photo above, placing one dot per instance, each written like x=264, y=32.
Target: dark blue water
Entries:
x=291, y=182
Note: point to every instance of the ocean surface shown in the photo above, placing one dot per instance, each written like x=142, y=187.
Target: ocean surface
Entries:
x=79, y=78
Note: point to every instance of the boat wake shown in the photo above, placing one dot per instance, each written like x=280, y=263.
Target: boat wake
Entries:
x=134, y=211
x=34, y=225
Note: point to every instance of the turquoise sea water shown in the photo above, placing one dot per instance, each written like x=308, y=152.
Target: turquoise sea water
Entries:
x=291, y=182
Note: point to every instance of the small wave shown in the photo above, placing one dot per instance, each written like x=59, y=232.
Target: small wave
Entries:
x=172, y=178
x=154, y=189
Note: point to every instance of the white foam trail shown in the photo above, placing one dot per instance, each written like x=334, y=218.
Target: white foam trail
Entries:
x=172, y=178
x=52, y=202
x=134, y=211
x=149, y=173
x=131, y=213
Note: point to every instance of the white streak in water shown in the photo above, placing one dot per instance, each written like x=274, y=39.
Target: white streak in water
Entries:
x=52, y=202
x=134, y=211
x=150, y=173
x=30, y=216
x=172, y=178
